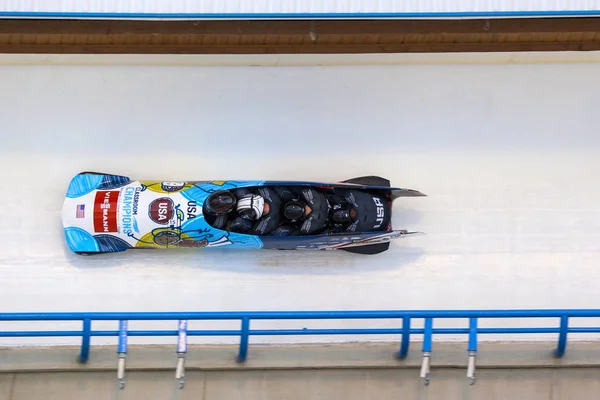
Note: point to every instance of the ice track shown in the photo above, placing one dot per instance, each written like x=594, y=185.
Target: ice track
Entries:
x=507, y=154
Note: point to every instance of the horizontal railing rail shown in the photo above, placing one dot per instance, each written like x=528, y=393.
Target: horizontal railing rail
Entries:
x=244, y=332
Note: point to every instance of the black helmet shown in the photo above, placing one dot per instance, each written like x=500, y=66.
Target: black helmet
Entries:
x=240, y=225
x=220, y=202
x=293, y=210
x=342, y=216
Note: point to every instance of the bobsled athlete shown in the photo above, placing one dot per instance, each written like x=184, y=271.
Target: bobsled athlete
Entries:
x=286, y=230
x=264, y=208
x=294, y=211
x=361, y=212
x=218, y=208
x=309, y=210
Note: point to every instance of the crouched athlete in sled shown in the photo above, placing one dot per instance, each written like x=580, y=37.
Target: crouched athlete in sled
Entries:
x=305, y=211
x=291, y=211
x=358, y=211
x=243, y=211
x=312, y=212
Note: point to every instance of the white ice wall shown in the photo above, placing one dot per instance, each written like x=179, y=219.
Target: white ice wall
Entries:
x=507, y=153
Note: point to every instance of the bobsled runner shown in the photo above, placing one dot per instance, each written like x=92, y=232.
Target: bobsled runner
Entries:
x=106, y=213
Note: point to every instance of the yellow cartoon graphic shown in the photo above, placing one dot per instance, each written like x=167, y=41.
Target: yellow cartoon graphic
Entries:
x=165, y=187
x=174, y=186
x=162, y=238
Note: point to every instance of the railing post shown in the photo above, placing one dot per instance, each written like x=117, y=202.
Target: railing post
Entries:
x=243, y=353
x=472, y=350
x=405, y=341
x=85, y=340
x=122, y=353
x=562, y=337
x=427, y=341
x=181, y=352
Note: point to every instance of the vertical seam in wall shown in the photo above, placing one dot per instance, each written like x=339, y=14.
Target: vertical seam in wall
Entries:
x=552, y=383
x=11, y=390
x=204, y=383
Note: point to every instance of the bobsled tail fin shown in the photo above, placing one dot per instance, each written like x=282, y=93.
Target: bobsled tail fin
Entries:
x=376, y=244
x=398, y=192
x=379, y=182
x=368, y=250
x=370, y=180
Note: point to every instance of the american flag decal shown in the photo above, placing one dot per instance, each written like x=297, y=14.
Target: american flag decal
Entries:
x=80, y=211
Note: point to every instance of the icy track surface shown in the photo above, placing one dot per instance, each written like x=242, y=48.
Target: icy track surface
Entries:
x=507, y=154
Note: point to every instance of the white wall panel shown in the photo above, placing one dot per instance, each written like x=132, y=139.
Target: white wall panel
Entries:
x=294, y=6
x=508, y=155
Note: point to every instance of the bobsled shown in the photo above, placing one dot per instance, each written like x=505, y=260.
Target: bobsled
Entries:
x=107, y=213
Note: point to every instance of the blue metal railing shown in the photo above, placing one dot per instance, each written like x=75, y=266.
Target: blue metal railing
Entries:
x=405, y=318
